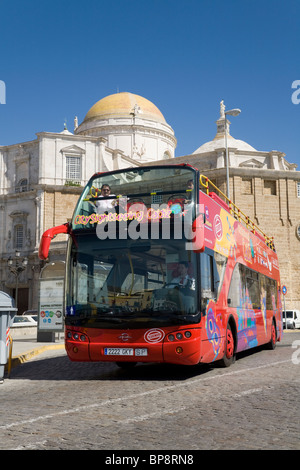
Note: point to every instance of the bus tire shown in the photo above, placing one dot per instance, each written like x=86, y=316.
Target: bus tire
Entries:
x=272, y=343
x=229, y=354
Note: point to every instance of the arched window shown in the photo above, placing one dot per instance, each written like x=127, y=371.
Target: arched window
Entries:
x=22, y=185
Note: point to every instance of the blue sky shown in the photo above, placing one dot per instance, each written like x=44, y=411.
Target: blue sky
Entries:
x=59, y=57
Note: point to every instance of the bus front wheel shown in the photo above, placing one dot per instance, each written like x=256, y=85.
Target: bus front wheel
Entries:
x=272, y=343
x=229, y=355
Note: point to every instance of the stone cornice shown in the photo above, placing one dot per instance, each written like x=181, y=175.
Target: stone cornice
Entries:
x=128, y=129
x=256, y=173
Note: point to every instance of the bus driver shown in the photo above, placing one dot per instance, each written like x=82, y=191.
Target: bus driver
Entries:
x=182, y=279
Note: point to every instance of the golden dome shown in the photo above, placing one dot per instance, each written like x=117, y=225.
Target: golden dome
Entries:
x=122, y=105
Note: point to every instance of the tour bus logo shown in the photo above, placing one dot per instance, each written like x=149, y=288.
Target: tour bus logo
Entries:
x=124, y=337
x=154, y=336
x=218, y=227
x=134, y=222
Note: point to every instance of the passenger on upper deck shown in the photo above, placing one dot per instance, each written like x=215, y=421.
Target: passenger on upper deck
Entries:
x=105, y=205
x=190, y=187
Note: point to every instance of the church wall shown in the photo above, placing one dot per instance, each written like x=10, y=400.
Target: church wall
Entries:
x=58, y=207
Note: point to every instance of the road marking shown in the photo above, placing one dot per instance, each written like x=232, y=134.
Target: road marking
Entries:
x=31, y=446
x=251, y=391
x=156, y=414
x=138, y=395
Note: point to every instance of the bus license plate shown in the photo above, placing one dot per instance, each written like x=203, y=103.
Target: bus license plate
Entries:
x=118, y=351
x=141, y=352
x=125, y=352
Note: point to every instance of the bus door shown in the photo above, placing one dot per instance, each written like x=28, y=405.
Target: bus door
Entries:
x=212, y=273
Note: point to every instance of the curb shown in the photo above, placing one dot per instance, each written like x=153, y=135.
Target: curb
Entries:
x=21, y=358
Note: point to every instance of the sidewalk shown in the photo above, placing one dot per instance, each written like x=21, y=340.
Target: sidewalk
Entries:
x=25, y=348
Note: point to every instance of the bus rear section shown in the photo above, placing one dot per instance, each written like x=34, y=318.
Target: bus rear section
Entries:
x=168, y=272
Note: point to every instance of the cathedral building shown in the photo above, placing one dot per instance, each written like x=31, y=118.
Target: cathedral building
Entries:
x=41, y=181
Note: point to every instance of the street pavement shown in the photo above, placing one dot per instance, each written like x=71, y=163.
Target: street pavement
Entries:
x=50, y=403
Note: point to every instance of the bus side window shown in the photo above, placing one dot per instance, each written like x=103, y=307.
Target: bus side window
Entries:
x=253, y=288
x=235, y=287
x=246, y=282
x=263, y=286
x=271, y=293
x=212, y=273
x=206, y=279
x=219, y=267
x=212, y=269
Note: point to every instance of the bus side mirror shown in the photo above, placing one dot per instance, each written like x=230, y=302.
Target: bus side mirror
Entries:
x=198, y=234
x=48, y=236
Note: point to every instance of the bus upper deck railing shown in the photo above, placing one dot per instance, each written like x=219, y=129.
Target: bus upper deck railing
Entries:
x=237, y=213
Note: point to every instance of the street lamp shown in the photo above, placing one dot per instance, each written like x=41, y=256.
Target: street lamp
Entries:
x=231, y=112
x=17, y=266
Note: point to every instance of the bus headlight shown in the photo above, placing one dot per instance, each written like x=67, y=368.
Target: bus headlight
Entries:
x=180, y=335
x=77, y=336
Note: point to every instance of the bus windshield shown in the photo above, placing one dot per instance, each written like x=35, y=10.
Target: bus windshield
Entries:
x=130, y=283
x=117, y=195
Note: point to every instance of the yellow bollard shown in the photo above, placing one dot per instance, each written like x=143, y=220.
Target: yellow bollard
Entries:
x=10, y=355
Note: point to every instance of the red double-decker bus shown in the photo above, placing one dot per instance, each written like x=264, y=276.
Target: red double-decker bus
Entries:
x=160, y=268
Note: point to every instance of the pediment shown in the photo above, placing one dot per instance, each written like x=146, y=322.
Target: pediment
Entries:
x=18, y=213
x=73, y=149
x=252, y=163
